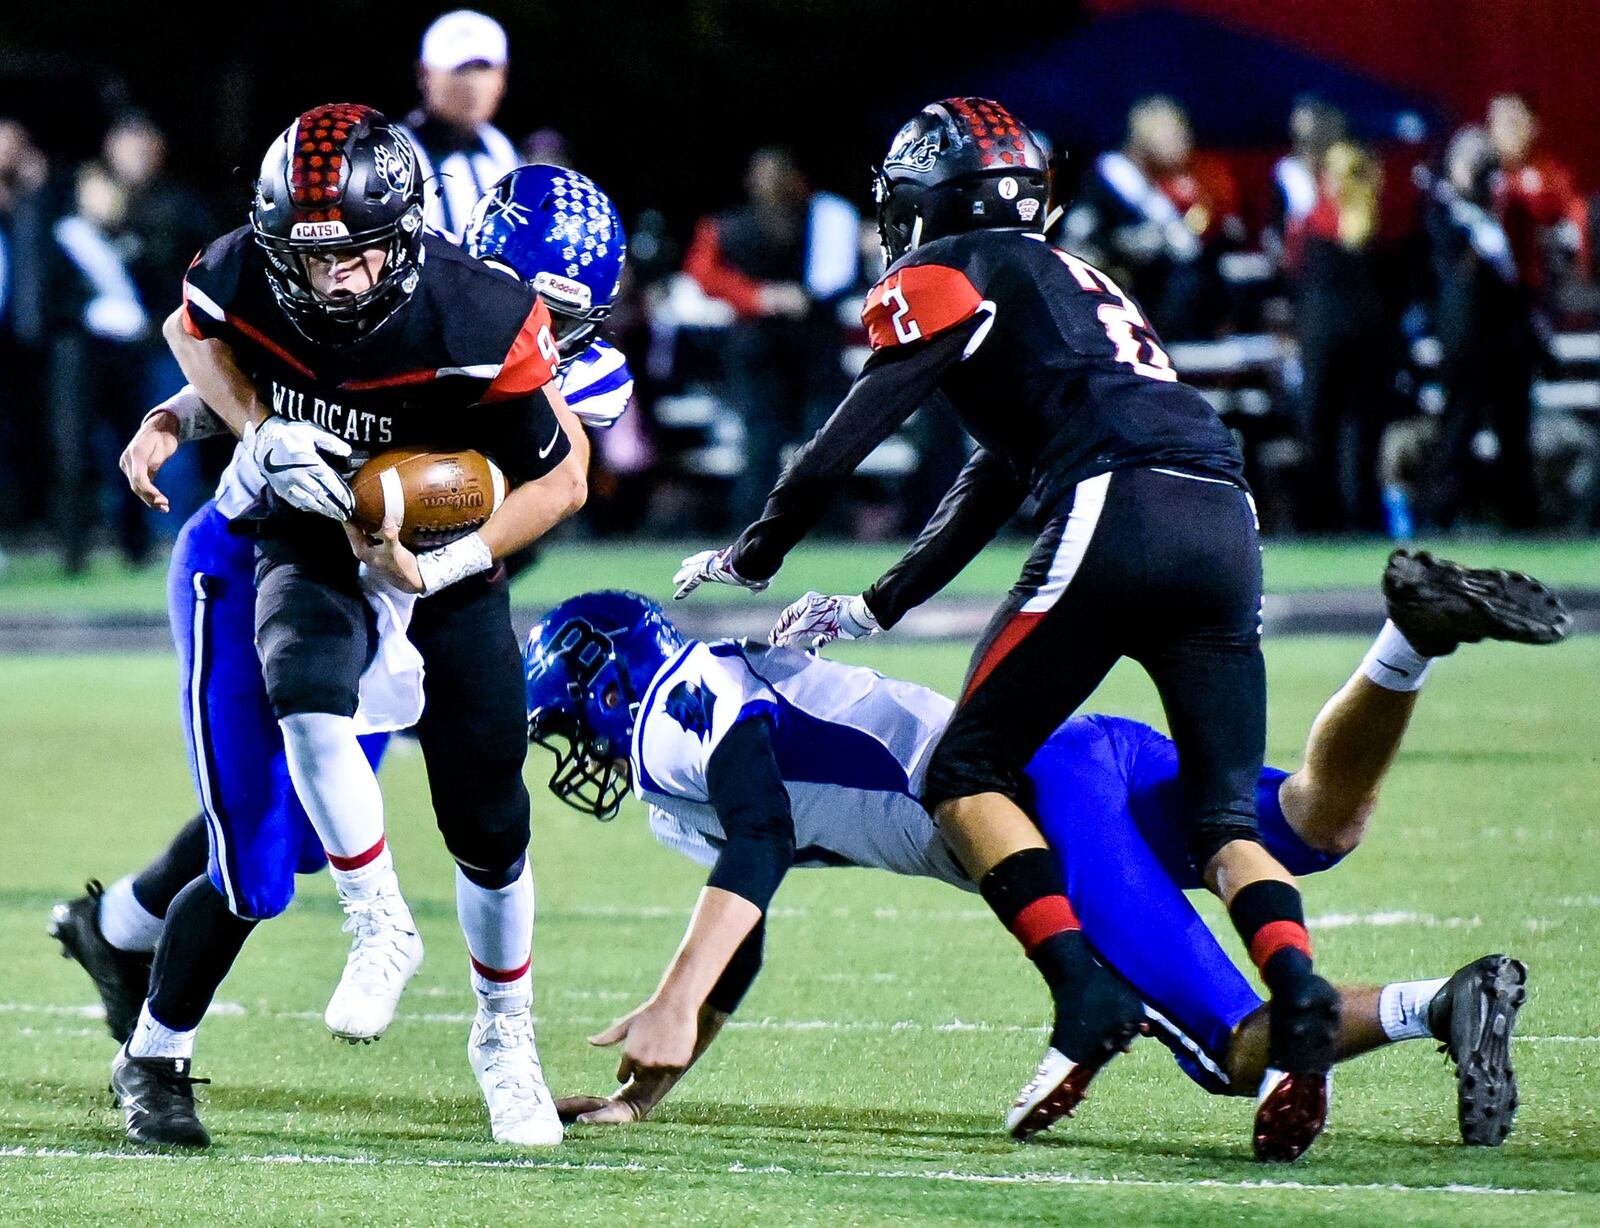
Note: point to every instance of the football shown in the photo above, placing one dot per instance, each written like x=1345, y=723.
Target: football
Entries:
x=435, y=496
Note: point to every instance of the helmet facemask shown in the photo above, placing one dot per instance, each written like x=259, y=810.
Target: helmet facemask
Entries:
x=590, y=774
x=346, y=318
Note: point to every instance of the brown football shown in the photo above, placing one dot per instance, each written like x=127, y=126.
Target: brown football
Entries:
x=435, y=496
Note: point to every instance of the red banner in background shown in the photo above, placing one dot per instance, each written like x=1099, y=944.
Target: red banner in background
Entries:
x=1460, y=52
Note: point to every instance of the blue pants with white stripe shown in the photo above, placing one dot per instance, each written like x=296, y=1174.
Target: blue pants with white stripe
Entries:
x=260, y=836
x=1109, y=800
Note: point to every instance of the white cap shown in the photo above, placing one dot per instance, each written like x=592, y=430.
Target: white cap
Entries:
x=463, y=37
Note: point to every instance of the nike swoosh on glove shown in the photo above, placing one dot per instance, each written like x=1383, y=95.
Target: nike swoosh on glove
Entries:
x=816, y=620
x=711, y=567
x=290, y=456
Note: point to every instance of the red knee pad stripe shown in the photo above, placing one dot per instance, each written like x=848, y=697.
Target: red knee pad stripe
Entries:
x=360, y=859
x=1044, y=918
x=1274, y=937
x=501, y=975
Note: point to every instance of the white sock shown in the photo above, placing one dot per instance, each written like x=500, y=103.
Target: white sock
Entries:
x=1393, y=664
x=498, y=925
x=154, y=1039
x=373, y=877
x=1403, y=1008
x=127, y=924
x=335, y=784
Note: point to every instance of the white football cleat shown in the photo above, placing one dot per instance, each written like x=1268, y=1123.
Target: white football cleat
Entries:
x=384, y=954
x=1057, y=1088
x=503, y=1056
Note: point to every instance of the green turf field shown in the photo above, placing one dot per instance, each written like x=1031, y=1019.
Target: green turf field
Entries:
x=34, y=585
x=865, y=1079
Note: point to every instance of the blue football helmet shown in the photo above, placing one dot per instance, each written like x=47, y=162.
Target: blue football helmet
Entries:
x=588, y=664
x=557, y=231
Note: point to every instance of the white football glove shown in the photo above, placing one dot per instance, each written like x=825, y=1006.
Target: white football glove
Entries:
x=816, y=620
x=711, y=566
x=289, y=455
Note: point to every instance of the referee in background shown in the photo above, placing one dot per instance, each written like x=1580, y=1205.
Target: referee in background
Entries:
x=462, y=76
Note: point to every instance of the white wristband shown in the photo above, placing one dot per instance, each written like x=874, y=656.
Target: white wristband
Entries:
x=858, y=612
x=196, y=420
x=464, y=557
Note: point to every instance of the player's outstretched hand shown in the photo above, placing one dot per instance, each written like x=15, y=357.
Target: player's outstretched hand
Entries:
x=291, y=456
x=386, y=555
x=151, y=447
x=629, y=1103
x=657, y=1037
x=711, y=567
x=816, y=620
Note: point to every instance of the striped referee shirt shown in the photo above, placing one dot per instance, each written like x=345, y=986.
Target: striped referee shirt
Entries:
x=458, y=168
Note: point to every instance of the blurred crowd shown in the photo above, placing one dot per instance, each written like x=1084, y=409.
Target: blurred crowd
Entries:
x=1398, y=331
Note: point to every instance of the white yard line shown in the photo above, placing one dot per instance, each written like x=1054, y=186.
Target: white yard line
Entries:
x=954, y=1175
x=766, y=1024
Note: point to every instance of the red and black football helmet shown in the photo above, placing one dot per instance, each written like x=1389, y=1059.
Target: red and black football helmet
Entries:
x=961, y=164
x=340, y=177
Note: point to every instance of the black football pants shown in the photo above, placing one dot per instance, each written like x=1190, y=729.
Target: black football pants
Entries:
x=315, y=636
x=1152, y=564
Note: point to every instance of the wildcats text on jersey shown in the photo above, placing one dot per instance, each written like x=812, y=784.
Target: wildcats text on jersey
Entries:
x=355, y=425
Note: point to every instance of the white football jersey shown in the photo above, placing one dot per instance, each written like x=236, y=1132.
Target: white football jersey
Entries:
x=852, y=748
x=597, y=384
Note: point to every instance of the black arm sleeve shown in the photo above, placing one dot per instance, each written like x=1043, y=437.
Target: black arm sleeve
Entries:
x=887, y=392
x=522, y=436
x=740, y=973
x=749, y=797
x=985, y=495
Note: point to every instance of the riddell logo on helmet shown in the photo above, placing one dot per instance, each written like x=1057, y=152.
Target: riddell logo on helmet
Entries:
x=319, y=230
x=562, y=290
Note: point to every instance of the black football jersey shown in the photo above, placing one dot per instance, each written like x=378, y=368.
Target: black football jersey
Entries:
x=1050, y=367
x=459, y=365
x=1069, y=380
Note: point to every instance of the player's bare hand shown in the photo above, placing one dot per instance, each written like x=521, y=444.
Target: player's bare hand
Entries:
x=387, y=555
x=629, y=1103
x=656, y=1038
x=151, y=447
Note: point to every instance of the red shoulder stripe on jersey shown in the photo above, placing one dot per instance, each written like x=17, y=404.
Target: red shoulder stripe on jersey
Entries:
x=531, y=362
x=918, y=301
x=268, y=344
x=390, y=381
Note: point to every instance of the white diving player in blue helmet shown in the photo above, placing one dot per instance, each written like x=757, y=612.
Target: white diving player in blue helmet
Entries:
x=756, y=759
x=547, y=226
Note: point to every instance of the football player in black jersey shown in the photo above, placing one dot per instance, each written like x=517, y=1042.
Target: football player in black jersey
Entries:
x=1147, y=548
x=328, y=328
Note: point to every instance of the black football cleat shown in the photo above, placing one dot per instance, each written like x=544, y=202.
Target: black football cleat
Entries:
x=156, y=1096
x=122, y=978
x=1474, y=1013
x=1060, y=1083
x=1438, y=604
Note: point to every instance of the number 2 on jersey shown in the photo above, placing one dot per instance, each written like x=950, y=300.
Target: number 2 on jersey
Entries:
x=1127, y=330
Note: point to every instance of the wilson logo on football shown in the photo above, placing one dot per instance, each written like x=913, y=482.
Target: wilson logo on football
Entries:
x=465, y=500
x=319, y=230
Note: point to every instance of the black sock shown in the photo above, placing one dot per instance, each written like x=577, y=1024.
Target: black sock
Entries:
x=1026, y=892
x=178, y=865
x=198, y=945
x=1271, y=918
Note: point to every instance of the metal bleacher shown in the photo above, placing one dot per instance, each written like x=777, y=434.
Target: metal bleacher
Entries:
x=1250, y=378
